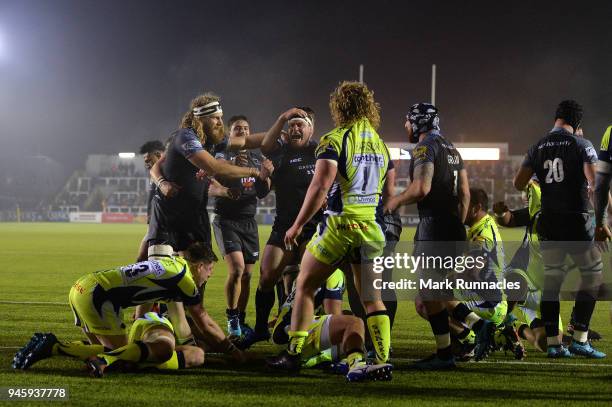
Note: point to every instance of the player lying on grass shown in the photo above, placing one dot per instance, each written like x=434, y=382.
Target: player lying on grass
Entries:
x=98, y=299
x=526, y=309
x=330, y=335
x=155, y=334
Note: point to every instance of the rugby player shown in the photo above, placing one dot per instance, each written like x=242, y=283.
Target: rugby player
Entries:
x=565, y=166
x=330, y=334
x=526, y=267
x=481, y=307
x=352, y=163
x=602, y=188
x=151, y=152
x=98, y=299
x=179, y=216
x=235, y=226
x=439, y=187
x=293, y=158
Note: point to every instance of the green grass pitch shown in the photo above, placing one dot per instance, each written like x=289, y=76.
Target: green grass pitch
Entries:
x=41, y=261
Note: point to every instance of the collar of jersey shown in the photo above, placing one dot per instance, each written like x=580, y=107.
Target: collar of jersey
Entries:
x=479, y=225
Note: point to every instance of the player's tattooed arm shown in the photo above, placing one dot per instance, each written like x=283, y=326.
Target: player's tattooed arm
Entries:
x=416, y=191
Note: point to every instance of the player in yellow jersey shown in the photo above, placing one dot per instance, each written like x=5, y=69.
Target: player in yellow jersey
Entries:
x=98, y=299
x=352, y=163
x=481, y=310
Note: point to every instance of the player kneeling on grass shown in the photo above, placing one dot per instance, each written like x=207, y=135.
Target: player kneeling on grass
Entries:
x=98, y=299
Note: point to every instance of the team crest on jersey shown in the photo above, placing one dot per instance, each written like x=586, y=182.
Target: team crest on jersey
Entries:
x=419, y=152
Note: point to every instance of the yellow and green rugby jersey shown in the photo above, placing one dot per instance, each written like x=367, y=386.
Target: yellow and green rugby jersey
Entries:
x=605, y=150
x=486, y=234
x=363, y=161
x=534, y=199
x=161, y=280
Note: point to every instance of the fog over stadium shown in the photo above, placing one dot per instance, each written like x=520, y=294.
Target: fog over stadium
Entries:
x=83, y=77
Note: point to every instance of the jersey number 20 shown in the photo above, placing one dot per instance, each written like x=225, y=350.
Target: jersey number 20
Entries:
x=555, y=170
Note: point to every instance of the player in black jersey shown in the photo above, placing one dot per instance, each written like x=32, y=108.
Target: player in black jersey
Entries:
x=151, y=152
x=181, y=218
x=439, y=187
x=294, y=162
x=565, y=166
x=235, y=226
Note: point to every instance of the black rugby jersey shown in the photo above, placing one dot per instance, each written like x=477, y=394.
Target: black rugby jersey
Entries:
x=178, y=169
x=558, y=160
x=442, y=199
x=250, y=188
x=293, y=171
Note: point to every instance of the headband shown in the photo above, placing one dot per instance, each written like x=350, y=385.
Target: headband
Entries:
x=207, y=110
x=300, y=118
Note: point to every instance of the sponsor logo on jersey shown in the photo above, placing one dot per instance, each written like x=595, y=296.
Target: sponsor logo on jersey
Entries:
x=191, y=145
x=352, y=226
x=375, y=160
x=362, y=199
x=295, y=160
x=248, y=182
x=366, y=134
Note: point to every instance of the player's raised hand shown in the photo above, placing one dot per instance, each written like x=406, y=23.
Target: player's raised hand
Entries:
x=291, y=237
x=294, y=111
x=168, y=188
x=266, y=170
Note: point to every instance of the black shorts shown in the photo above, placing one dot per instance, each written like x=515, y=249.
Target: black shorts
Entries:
x=178, y=226
x=237, y=235
x=570, y=232
x=277, y=236
x=438, y=237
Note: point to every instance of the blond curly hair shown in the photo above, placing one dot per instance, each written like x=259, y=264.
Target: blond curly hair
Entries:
x=190, y=121
x=352, y=101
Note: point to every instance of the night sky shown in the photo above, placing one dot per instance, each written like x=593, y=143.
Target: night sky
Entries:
x=80, y=77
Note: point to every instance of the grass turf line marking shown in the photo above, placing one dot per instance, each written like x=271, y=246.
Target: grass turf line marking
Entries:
x=517, y=362
x=33, y=302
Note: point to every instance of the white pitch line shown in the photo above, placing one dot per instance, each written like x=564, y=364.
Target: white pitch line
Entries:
x=10, y=347
x=33, y=302
x=518, y=362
